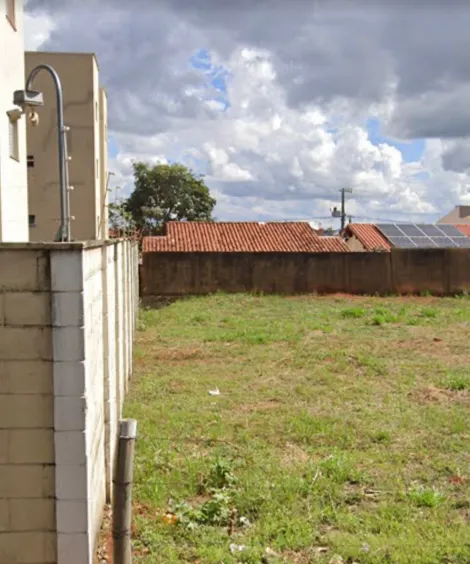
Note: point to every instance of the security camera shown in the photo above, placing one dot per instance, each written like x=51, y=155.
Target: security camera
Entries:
x=30, y=98
x=14, y=115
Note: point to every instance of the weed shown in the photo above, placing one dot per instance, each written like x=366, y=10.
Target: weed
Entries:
x=339, y=469
x=353, y=312
x=430, y=312
x=382, y=315
x=220, y=476
x=381, y=437
x=426, y=497
x=216, y=511
x=456, y=381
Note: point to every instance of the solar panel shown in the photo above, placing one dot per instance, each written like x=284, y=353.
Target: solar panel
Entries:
x=443, y=242
x=450, y=230
x=402, y=242
x=390, y=230
x=423, y=242
x=411, y=230
x=462, y=242
x=430, y=230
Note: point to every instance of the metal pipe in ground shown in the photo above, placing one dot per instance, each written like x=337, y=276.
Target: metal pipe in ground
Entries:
x=122, y=495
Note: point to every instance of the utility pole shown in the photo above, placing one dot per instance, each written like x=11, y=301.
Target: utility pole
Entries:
x=343, y=206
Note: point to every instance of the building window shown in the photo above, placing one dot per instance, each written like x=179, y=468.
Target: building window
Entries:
x=32, y=220
x=13, y=139
x=11, y=15
x=30, y=161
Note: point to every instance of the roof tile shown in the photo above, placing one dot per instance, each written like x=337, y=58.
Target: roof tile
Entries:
x=239, y=237
x=370, y=237
x=465, y=229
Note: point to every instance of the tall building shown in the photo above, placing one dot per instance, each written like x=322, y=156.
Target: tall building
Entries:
x=13, y=177
x=85, y=113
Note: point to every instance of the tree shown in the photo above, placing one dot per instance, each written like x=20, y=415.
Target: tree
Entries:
x=120, y=220
x=167, y=192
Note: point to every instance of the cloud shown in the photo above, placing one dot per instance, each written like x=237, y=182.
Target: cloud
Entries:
x=271, y=99
x=37, y=30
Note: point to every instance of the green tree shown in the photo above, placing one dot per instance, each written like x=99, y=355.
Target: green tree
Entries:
x=167, y=192
x=120, y=220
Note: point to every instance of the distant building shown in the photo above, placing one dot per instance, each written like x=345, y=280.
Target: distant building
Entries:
x=13, y=177
x=85, y=112
x=459, y=215
x=242, y=237
x=363, y=237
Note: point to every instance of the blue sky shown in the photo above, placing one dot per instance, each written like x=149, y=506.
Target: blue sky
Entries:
x=113, y=148
x=216, y=74
x=412, y=151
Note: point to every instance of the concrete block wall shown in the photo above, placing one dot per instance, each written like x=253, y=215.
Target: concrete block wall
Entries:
x=61, y=308
x=94, y=388
x=27, y=481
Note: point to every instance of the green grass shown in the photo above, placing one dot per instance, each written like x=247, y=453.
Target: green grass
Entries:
x=341, y=430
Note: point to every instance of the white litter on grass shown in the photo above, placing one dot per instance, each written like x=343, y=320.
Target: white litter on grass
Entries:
x=215, y=392
x=244, y=521
x=237, y=548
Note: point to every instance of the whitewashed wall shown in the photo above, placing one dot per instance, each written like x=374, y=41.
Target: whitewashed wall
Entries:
x=13, y=176
x=94, y=309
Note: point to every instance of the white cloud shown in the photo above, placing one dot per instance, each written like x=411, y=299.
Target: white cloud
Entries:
x=37, y=30
x=289, y=130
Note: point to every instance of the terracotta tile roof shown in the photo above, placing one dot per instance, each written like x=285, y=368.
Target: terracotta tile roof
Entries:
x=368, y=234
x=465, y=229
x=239, y=237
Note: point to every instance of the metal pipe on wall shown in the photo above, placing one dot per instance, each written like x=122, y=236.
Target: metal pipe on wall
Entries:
x=65, y=228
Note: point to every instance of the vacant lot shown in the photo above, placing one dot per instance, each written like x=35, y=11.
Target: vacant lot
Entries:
x=341, y=432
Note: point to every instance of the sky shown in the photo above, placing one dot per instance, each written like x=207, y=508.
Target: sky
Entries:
x=280, y=104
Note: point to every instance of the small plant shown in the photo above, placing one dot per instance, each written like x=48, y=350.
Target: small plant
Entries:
x=199, y=318
x=378, y=320
x=353, y=312
x=218, y=509
x=339, y=469
x=381, y=437
x=220, y=476
x=426, y=497
x=456, y=382
x=429, y=312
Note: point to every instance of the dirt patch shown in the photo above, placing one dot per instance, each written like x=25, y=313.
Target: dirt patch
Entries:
x=307, y=556
x=294, y=455
x=431, y=394
x=259, y=406
x=104, y=552
x=180, y=354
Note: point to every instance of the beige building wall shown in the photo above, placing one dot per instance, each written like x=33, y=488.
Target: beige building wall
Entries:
x=104, y=202
x=460, y=215
x=79, y=75
x=354, y=244
x=13, y=179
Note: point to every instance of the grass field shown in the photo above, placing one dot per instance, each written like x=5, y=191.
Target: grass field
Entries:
x=341, y=432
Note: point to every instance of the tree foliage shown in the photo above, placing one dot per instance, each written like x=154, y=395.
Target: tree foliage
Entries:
x=167, y=192
x=120, y=220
